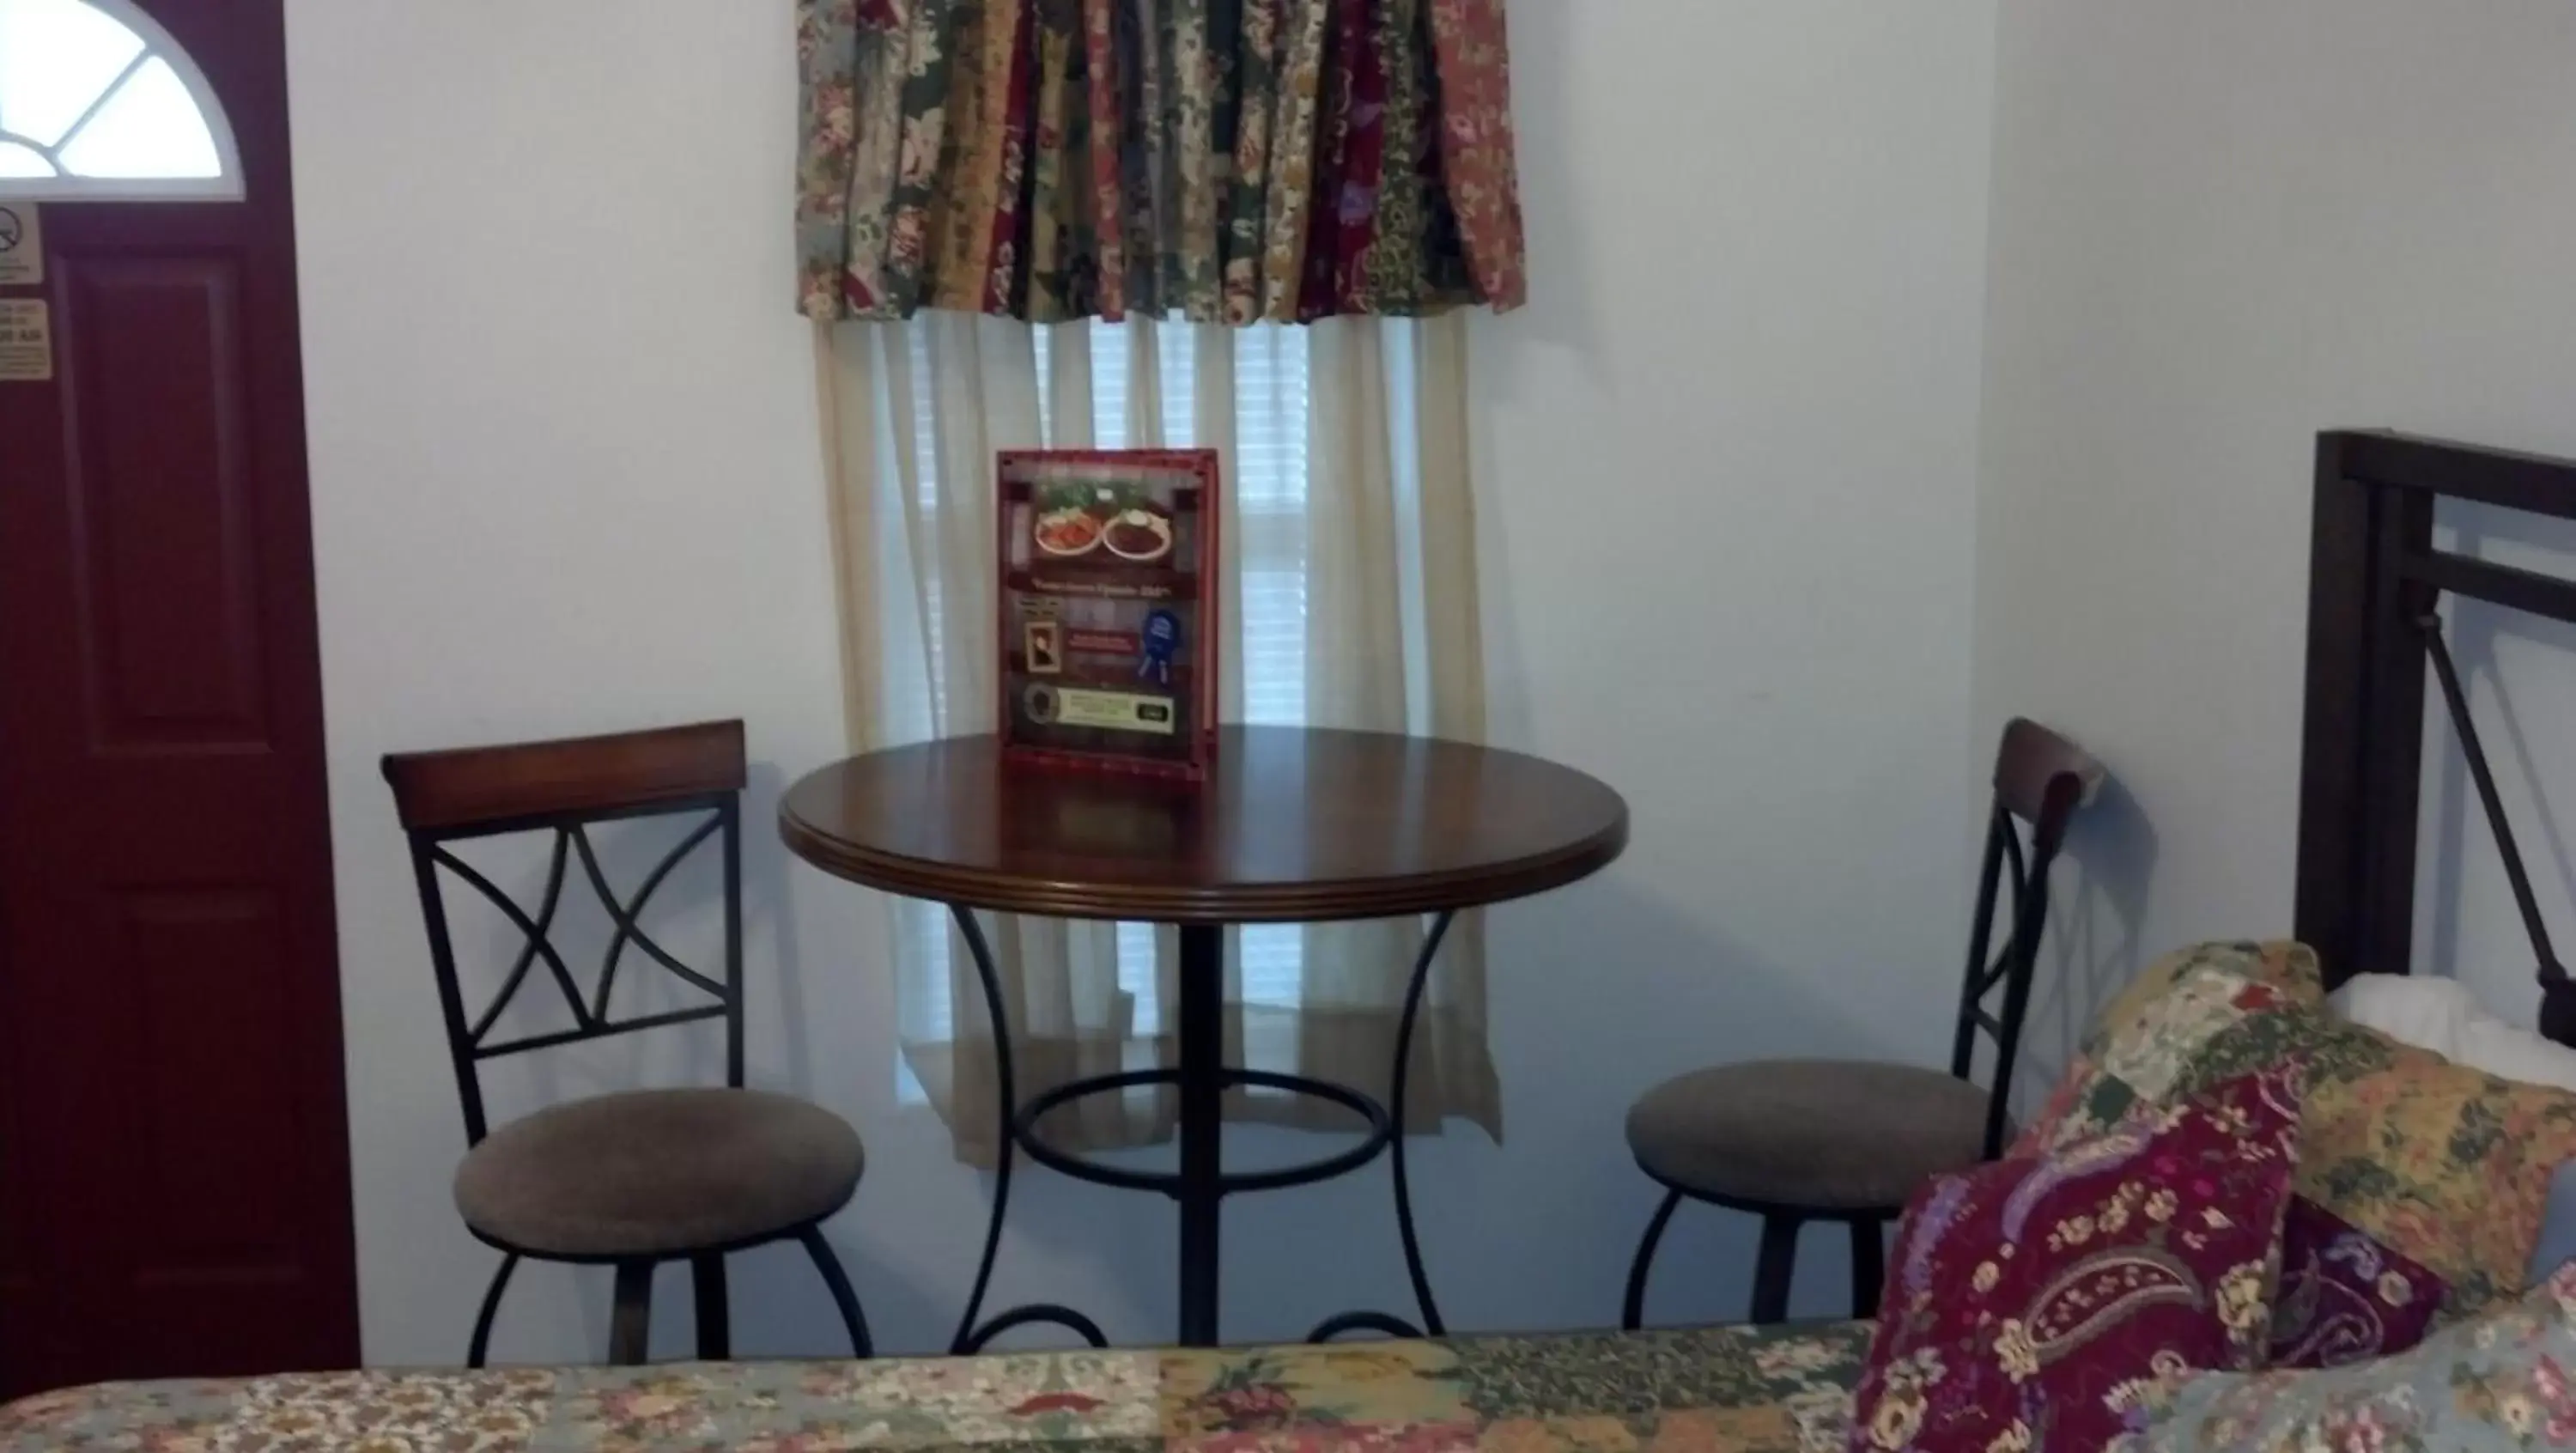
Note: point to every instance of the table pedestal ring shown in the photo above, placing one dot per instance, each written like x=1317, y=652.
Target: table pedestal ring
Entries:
x=1201, y=1185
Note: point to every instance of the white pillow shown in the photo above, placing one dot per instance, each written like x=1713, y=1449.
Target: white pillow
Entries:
x=2426, y=1013
x=2443, y=1016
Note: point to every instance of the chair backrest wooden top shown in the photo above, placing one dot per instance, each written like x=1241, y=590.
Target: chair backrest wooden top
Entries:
x=2031, y=759
x=471, y=787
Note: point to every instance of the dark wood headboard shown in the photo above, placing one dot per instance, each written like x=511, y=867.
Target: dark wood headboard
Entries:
x=2374, y=594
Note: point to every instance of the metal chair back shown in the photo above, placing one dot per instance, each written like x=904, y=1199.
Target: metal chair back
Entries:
x=564, y=788
x=2040, y=781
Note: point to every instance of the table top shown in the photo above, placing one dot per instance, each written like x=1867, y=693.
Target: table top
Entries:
x=1293, y=825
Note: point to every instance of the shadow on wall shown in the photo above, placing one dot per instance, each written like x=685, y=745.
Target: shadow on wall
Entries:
x=2512, y=665
x=1579, y=1202
x=2098, y=897
x=2467, y=926
x=1551, y=143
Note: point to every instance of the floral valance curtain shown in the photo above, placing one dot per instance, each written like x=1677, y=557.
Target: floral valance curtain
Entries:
x=1234, y=161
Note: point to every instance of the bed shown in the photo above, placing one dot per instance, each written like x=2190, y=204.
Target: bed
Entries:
x=2376, y=589
x=1743, y=1390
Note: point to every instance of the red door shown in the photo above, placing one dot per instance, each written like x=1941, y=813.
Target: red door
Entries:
x=174, y=1186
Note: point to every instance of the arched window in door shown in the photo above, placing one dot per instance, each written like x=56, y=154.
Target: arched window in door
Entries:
x=97, y=101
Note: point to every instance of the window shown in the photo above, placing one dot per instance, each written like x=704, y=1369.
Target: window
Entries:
x=1267, y=535
x=97, y=101
x=1270, y=499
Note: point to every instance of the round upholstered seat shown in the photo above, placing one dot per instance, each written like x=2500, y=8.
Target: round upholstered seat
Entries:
x=1817, y=1135
x=658, y=1173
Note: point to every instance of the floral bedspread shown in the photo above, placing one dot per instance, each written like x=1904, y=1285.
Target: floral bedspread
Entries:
x=1725, y=1390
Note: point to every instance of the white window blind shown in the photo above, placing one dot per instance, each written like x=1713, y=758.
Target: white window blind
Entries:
x=1266, y=534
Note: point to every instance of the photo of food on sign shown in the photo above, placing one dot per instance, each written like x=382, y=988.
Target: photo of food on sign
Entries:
x=1108, y=580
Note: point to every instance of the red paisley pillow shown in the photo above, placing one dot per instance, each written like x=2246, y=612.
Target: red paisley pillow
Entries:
x=2034, y=1301
x=2345, y=1296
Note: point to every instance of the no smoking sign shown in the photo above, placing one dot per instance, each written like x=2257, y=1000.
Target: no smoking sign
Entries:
x=22, y=244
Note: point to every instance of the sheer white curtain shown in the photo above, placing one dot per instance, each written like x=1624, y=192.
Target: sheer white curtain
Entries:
x=1350, y=588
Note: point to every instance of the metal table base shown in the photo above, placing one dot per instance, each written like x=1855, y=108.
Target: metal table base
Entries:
x=1202, y=1183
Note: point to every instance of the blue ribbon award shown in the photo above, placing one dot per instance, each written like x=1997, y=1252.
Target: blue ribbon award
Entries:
x=1162, y=638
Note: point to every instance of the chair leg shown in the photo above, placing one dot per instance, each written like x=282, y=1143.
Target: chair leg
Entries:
x=1771, y=1274
x=1869, y=1266
x=715, y=1330
x=482, y=1342
x=1633, y=1311
x=629, y=1324
x=838, y=1283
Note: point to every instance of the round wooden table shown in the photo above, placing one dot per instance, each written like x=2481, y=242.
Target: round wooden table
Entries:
x=1293, y=825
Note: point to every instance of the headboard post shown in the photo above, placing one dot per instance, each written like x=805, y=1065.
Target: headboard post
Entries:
x=2360, y=769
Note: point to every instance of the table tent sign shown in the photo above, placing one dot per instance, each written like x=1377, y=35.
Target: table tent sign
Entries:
x=1108, y=615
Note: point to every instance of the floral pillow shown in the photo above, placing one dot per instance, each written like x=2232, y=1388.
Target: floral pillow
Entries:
x=2289, y=967
x=2034, y=1302
x=2344, y=1297
x=2436, y=1161
x=2501, y=1381
x=2439, y=1164
x=2202, y=1006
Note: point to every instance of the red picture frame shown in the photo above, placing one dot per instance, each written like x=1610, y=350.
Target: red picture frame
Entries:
x=1108, y=617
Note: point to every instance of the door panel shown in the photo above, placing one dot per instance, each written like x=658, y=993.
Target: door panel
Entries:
x=207, y=1020
x=174, y=1194
x=162, y=502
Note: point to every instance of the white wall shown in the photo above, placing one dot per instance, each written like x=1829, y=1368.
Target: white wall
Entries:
x=1726, y=459
x=2219, y=228
x=565, y=479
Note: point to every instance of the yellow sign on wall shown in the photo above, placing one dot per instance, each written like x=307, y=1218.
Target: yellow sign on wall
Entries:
x=26, y=341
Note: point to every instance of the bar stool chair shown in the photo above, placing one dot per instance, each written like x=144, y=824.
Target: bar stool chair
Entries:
x=1794, y=1141
x=638, y=1178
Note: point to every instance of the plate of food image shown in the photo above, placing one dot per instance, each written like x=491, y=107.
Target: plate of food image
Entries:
x=1069, y=531
x=1139, y=535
